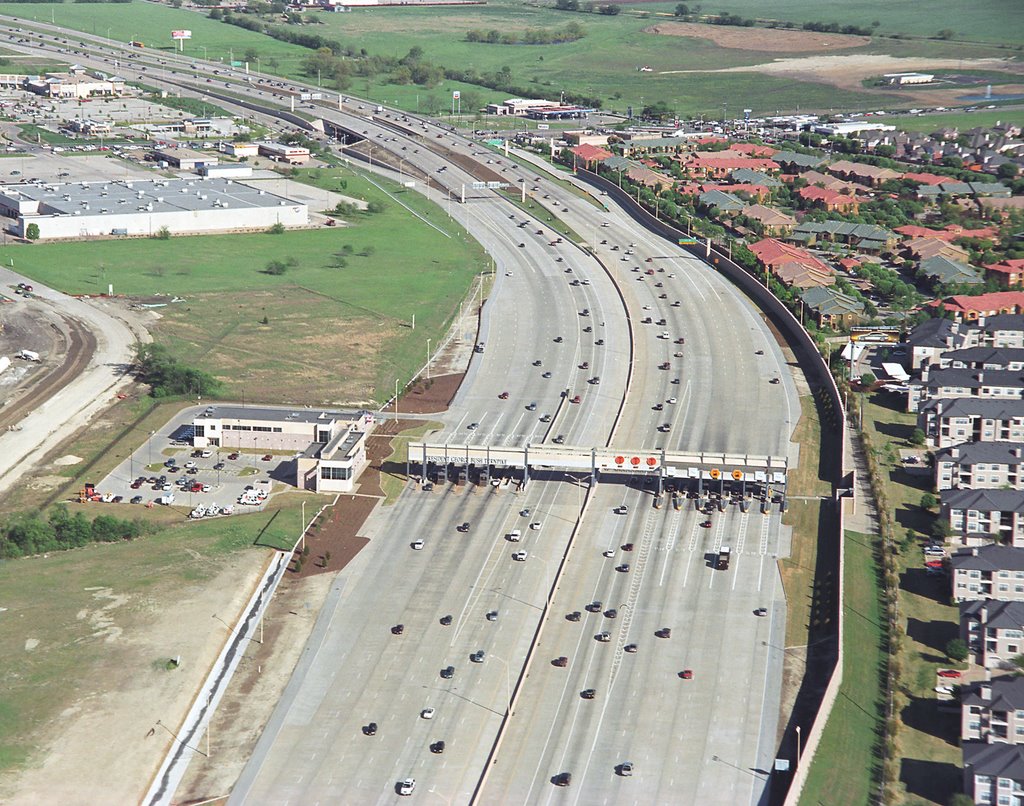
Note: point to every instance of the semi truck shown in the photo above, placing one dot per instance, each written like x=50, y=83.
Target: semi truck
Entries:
x=28, y=355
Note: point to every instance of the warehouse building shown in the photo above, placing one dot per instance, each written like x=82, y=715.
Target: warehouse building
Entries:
x=282, y=152
x=329, y=446
x=184, y=159
x=134, y=207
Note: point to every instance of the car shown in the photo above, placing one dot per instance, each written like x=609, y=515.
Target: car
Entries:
x=664, y=632
x=187, y=465
x=573, y=616
x=519, y=556
x=477, y=657
x=267, y=458
x=446, y=621
x=935, y=550
x=611, y=613
x=944, y=690
x=232, y=456
x=407, y=786
x=559, y=440
x=170, y=463
x=558, y=339
x=657, y=407
x=562, y=661
x=576, y=399
x=137, y=499
x=437, y=747
x=536, y=525
x=546, y=375
x=761, y=611
x=630, y=648
x=427, y=713
x=686, y=674
x=546, y=418
x=627, y=546
x=136, y=484
x=462, y=527
x=594, y=606
x=774, y=380
x=608, y=553
x=625, y=769
x=448, y=672
x=706, y=524
x=492, y=615
x=370, y=729
x=531, y=407
x=398, y=629
x=503, y=396
x=622, y=569
x=622, y=509
x=588, y=693
x=428, y=487
x=538, y=363
x=949, y=673
x=671, y=400
x=417, y=545
x=473, y=426
x=562, y=779
x=604, y=637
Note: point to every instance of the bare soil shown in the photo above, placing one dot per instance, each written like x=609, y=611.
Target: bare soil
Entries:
x=431, y=397
x=769, y=40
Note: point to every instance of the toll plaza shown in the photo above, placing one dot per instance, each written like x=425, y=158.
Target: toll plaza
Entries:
x=711, y=479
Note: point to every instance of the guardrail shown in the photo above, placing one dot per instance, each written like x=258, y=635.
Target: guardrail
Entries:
x=834, y=457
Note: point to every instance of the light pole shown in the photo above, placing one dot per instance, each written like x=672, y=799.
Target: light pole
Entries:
x=428, y=359
x=396, y=400
x=204, y=52
x=151, y=446
x=798, y=745
x=258, y=71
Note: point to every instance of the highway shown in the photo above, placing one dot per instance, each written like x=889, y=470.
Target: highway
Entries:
x=702, y=740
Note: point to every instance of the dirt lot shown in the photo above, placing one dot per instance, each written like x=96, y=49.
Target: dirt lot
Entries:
x=431, y=397
x=769, y=40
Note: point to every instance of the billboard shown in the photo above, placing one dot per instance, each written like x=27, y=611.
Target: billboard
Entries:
x=456, y=95
x=875, y=335
x=181, y=34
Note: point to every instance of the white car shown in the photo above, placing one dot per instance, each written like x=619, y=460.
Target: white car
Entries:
x=417, y=545
x=671, y=400
x=427, y=713
x=520, y=556
x=944, y=689
x=407, y=786
x=535, y=526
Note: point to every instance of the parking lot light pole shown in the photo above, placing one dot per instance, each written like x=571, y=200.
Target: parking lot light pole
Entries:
x=303, y=535
x=151, y=446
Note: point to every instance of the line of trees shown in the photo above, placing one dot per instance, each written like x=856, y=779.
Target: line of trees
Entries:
x=167, y=377
x=532, y=36
x=29, y=533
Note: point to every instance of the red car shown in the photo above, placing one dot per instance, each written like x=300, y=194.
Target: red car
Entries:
x=949, y=673
x=576, y=399
x=232, y=456
x=268, y=457
x=686, y=674
x=933, y=564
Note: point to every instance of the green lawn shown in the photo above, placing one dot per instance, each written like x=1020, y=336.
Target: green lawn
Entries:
x=848, y=760
x=959, y=120
x=348, y=330
x=925, y=614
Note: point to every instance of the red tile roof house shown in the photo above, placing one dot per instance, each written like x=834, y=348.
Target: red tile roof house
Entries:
x=718, y=165
x=758, y=192
x=753, y=149
x=965, y=308
x=1008, y=273
x=926, y=179
x=791, y=265
x=590, y=155
x=829, y=199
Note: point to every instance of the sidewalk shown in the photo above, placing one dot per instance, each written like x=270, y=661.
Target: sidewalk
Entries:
x=862, y=517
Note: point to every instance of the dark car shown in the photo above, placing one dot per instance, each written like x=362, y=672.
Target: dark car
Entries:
x=437, y=747
x=232, y=456
x=137, y=499
x=573, y=616
x=594, y=607
x=448, y=672
x=398, y=629
x=611, y=613
x=462, y=527
x=627, y=546
x=268, y=457
x=370, y=730
x=664, y=632
x=562, y=661
x=218, y=466
x=686, y=674
x=588, y=693
x=562, y=779
x=622, y=569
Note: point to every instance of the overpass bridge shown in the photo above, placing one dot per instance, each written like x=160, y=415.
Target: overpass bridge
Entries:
x=709, y=477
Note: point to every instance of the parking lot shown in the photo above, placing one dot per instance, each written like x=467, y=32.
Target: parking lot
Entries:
x=165, y=464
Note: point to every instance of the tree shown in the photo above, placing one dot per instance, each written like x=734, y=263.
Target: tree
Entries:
x=682, y=10
x=867, y=380
x=1007, y=170
x=941, y=529
x=960, y=799
x=32, y=232
x=275, y=267
x=928, y=501
x=163, y=234
x=956, y=649
x=276, y=229
x=917, y=437
x=610, y=10
x=216, y=14
x=251, y=54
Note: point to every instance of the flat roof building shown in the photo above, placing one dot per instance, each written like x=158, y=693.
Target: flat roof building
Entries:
x=281, y=152
x=143, y=207
x=330, y=446
x=184, y=159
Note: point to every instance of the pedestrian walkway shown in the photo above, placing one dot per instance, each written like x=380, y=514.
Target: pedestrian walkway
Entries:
x=862, y=516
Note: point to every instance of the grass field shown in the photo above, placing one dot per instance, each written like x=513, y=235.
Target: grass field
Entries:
x=842, y=771
x=959, y=120
x=983, y=20
x=68, y=655
x=603, y=63
x=348, y=330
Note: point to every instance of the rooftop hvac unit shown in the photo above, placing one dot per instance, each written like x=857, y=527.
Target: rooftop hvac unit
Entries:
x=149, y=207
x=160, y=199
x=104, y=210
x=85, y=205
x=139, y=194
x=262, y=192
x=223, y=204
x=67, y=197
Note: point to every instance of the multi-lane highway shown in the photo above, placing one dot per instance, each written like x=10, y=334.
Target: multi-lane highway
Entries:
x=558, y=318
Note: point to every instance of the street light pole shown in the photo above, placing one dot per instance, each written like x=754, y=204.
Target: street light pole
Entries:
x=396, y=399
x=303, y=526
x=428, y=359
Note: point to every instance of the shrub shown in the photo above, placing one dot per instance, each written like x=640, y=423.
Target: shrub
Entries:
x=956, y=649
x=32, y=232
